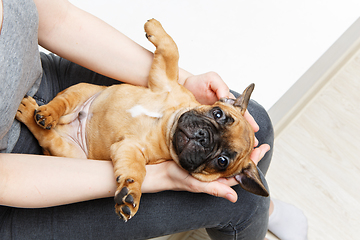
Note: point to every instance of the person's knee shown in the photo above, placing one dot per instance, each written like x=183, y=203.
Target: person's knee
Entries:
x=265, y=135
x=262, y=118
x=248, y=222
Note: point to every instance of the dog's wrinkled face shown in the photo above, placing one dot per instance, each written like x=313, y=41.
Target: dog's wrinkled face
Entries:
x=209, y=139
x=216, y=141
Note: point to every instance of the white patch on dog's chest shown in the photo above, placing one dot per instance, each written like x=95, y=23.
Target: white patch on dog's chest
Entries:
x=168, y=88
x=138, y=110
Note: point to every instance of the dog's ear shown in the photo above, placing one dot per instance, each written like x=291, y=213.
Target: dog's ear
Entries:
x=243, y=101
x=249, y=179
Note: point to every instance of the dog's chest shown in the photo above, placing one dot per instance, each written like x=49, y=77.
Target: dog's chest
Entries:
x=139, y=110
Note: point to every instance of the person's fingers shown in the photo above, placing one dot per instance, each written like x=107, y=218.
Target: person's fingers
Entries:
x=230, y=95
x=219, y=189
x=256, y=143
x=251, y=120
x=228, y=181
x=220, y=88
x=216, y=86
x=258, y=153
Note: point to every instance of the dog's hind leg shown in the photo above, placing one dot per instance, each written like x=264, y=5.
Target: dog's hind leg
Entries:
x=165, y=64
x=50, y=140
x=66, y=102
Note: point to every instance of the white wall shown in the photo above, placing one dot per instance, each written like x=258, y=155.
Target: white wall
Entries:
x=268, y=42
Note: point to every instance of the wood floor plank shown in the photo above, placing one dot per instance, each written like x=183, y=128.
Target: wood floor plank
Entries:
x=316, y=163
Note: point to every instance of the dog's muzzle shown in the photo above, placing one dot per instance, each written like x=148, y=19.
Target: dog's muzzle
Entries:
x=194, y=140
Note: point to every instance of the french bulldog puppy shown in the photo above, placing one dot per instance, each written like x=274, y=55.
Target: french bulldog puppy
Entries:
x=133, y=126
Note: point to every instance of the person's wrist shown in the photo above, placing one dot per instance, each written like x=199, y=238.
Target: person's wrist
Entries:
x=156, y=179
x=183, y=76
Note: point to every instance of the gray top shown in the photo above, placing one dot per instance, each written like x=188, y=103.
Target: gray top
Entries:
x=20, y=65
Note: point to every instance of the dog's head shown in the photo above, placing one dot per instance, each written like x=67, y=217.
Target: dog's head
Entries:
x=216, y=141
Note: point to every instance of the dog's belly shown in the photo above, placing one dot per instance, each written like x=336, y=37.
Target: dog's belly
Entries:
x=73, y=126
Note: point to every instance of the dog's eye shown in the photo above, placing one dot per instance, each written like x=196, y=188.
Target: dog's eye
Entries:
x=223, y=162
x=217, y=113
x=219, y=116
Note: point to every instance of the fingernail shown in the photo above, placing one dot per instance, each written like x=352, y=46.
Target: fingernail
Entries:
x=231, y=197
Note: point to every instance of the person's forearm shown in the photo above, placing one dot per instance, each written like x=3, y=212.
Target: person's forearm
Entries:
x=88, y=41
x=33, y=181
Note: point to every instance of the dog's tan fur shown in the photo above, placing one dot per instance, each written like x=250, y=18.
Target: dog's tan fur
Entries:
x=131, y=141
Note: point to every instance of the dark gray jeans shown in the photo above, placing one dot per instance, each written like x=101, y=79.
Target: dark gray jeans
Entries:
x=159, y=214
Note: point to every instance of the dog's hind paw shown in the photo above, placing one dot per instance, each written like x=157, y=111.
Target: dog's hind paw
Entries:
x=154, y=31
x=25, y=112
x=46, y=117
x=127, y=199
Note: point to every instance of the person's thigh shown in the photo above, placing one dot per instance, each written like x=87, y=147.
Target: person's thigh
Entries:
x=159, y=214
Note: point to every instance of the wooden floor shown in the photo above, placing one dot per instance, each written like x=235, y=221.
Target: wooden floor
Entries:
x=316, y=163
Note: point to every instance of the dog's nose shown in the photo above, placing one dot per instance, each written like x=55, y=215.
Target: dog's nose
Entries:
x=202, y=136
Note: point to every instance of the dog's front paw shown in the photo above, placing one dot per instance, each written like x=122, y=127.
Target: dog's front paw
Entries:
x=127, y=197
x=25, y=112
x=46, y=117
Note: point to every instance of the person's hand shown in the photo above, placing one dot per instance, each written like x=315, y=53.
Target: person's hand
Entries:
x=169, y=176
x=207, y=88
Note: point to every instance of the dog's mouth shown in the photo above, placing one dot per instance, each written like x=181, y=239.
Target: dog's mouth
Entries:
x=181, y=141
x=184, y=138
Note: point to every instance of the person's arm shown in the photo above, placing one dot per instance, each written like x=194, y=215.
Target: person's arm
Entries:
x=32, y=181
x=88, y=41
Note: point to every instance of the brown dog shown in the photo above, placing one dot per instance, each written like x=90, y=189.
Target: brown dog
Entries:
x=134, y=126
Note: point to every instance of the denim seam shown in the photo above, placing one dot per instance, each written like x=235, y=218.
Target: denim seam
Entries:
x=38, y=99
x=245, y=223
x=235, y=229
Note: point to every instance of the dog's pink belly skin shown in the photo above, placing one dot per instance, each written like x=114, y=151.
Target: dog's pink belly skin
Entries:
x=73, y=126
